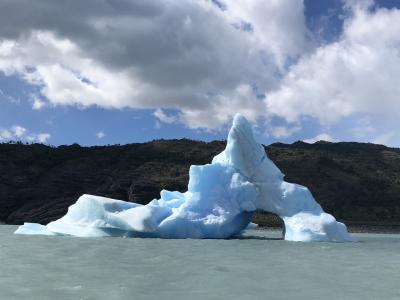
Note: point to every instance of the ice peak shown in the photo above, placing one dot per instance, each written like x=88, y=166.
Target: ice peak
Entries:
x=240, y=121
x=242, y=151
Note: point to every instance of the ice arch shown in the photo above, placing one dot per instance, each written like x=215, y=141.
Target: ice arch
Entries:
x=219, y=203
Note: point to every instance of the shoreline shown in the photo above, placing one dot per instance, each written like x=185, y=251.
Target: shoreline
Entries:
x=268, y=221
x=362, y=228
x=380, y=229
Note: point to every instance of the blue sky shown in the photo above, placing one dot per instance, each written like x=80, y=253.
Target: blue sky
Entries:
x=130, y=72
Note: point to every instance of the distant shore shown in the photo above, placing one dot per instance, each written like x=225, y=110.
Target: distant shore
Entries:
x=359, y=228
x=268, y=221
x=381, y=229
x=373, y=229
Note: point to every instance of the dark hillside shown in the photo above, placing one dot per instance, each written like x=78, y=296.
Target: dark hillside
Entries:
x=356, y=182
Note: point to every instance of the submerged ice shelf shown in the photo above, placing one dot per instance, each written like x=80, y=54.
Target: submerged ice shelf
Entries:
x=219, y=203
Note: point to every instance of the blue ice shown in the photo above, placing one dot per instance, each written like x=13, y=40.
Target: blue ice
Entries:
x=219, y=203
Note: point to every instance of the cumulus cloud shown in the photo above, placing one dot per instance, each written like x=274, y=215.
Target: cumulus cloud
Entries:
x=191, y=56
x=283, y=131
x=356, y=75
x=40, y=137
x=277, y=26
x=163, y=117
x=37, y=104
x=207, y=60
x=19, y=133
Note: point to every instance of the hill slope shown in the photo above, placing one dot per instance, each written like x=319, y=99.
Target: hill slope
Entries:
x=353, y=181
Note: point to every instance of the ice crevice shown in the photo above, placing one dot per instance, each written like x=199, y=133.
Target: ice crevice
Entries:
x=219, y=203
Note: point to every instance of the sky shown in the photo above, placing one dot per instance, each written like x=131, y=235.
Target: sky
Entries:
x=100, y=72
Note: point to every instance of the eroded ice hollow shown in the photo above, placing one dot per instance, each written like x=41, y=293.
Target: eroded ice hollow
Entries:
x=220, y=202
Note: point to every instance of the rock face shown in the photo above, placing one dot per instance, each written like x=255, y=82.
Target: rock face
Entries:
x=355, y=182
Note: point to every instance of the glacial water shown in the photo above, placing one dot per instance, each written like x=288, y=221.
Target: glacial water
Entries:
x=259, y=266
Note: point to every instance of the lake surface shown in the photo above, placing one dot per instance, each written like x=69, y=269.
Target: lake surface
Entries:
x=257, y=267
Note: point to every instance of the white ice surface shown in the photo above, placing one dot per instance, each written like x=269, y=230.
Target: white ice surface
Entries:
x=219, y=203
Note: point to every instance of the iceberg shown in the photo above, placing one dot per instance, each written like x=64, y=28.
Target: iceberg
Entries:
x=220, y=201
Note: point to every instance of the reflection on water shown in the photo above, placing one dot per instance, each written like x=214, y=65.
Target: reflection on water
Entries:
x=257, y=266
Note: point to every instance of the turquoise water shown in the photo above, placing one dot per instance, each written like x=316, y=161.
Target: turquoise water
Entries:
x=257, y=267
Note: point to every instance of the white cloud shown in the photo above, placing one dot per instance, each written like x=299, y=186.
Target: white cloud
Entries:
x=207, y=63
x=100, y=135
x=363, y=129
x=320, y=137
x=153, y=54
x=278, y=26
x=163, y=117
x=223, y=107
x=5, y=134
x=15, y=132
x=356, y=75
x=283, y=131
x=19, y=133
x=42, y=137
x=37, y=104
